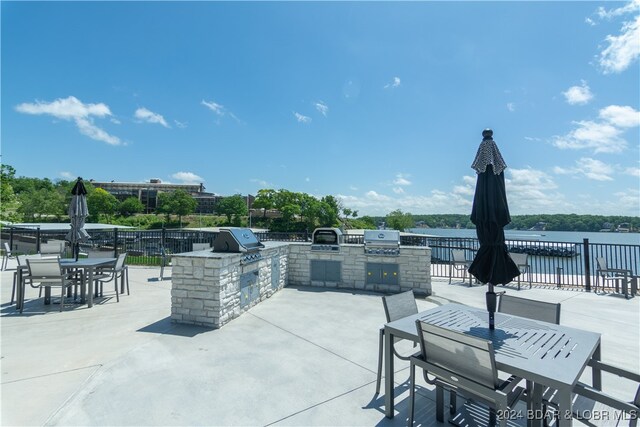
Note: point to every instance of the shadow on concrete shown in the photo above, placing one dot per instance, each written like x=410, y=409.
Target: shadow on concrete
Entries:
x=167, y=327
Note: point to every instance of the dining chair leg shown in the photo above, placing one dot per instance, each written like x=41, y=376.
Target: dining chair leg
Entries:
x=412, y=391
x=115, y=282
x=13, y=289
x=380, y=345
x=62, y=298
x=439, y=403
x=453, y=406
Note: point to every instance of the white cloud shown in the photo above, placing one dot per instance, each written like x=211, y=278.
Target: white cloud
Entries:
x=401, y=179
x=621, y=116
x=532, y=191
x=307, y=179
x=262, y=183
x=600, y=137
x=215, y=107
x=621, y=50
x=628, y=201
x=511, y=106
x=72, y=109
x=394, y=84
x=398, y=190
x=181, y=125
x=187, y=177
x=604, y=136
x=148, y=116
x=578, y=95
x=67, y=175
x=301, y=119
x=590, y=168
x=633, y=172
x=322, y=108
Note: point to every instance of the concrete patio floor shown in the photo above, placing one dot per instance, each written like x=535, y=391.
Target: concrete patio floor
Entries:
x=305, y=356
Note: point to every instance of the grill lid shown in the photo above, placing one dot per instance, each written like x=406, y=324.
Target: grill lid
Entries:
x=327, y=236
x=236, y=239
x=382, y=237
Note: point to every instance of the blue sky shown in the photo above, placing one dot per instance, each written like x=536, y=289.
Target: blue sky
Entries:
x=382, y=104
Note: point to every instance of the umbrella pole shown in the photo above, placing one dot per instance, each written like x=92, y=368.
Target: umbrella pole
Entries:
x=76, y=250
x=491, y=305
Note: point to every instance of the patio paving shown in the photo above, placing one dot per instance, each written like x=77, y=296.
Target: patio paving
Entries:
x=305, y=356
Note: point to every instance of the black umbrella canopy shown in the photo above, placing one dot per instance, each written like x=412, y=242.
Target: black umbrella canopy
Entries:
x=78, y=212
x=490, y=213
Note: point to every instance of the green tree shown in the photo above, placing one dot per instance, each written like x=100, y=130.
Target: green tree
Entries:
x=130, y=206
x=233, y=207
x=178, y=202
x=397, y=220
x=101, y=203
x=264, y=200
x=10, y=202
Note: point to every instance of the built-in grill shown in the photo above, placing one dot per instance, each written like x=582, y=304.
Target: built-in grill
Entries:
x=239, y=240
x=382, y=242
x=326, y=239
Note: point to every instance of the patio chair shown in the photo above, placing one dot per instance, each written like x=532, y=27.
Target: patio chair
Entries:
x=459, y=262
x=6, y=256
x=522, y=261
x=464, y=365
x=608, y=275
x=46, y=272
x=118, y=271
x=395, y=307
x=529, y=308
x=589, y=404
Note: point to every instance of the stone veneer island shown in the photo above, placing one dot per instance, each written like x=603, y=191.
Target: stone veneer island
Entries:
x=212, y=288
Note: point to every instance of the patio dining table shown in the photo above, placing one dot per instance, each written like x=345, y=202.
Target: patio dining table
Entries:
x=545, y=354
x=88, y=265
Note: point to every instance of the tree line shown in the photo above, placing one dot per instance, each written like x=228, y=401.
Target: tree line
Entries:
x=40, y=200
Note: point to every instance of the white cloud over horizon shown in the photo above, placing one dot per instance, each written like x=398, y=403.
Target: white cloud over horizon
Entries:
x=144, y=115
x=578, y=95
x=220, y=110
x=589, y=168
x=187, y=178
x=72, y=109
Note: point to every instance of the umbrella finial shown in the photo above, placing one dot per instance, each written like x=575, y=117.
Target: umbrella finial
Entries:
x=487, y=134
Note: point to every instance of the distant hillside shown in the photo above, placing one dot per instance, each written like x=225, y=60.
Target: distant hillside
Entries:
x=557, y=222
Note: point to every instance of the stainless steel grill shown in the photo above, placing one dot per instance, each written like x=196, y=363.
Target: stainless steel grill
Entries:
x=239, y=240
x=382, y=242
x=327, y=239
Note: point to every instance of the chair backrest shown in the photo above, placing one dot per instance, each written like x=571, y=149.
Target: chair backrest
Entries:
x=7, y=249
x=43, y=268
x=399, y=305
x=457, y=255
x=461, y=355
x=602, y=263
x=120, y=261
x=519, y=259
x=529, y=308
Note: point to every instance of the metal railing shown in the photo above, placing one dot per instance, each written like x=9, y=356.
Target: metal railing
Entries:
x=558, y=264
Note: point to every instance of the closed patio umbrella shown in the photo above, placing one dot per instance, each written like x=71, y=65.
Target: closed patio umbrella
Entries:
x=490, y=213
x=78, y=213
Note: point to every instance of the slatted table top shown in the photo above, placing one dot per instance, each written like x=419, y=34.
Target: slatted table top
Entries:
x=546, y=353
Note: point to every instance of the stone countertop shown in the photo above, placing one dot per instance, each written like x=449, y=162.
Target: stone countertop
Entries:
x=208, y=253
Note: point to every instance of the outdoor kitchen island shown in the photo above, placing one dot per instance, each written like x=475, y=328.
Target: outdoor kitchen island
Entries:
x=212, y=288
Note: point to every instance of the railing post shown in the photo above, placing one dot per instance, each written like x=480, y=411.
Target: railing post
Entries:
x=11, y=238
x=162, y=237
x=38, y=240
x=587, y=265
x=115, y=242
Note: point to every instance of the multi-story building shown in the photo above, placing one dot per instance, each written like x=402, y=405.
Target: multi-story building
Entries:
x=147, y=193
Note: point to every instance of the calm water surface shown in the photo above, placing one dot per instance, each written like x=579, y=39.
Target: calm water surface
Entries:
x=543, y=236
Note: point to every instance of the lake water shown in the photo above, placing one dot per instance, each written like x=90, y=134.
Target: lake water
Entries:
x=543, y=236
